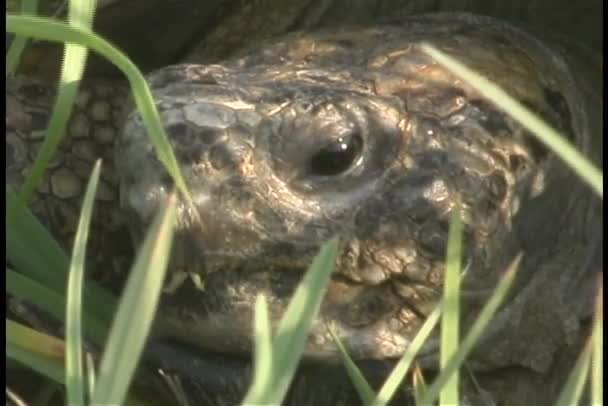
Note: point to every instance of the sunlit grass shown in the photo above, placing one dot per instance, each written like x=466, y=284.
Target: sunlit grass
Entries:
x=450, y=322
x=288, y=343
x=74, y=371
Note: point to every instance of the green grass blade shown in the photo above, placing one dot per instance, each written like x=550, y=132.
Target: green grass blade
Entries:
x=75, y=56
x=31, y=250
x=13, y=56
x=51, y=368
x=293, y=329
x=81, y=13
x=51, y=302
x=573, y=389
x=73, y=336
x=262, y=356
x=40, y=352
x=475, y=331
x=365, y=391
x=90, y=368
x=136, y=311
x=598, y=347
x=450, y=322
x=24, y=288
x=548, y=136
x=55, y=31
x=398, y=373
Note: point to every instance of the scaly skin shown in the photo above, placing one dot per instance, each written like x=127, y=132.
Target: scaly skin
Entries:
x=250, y=136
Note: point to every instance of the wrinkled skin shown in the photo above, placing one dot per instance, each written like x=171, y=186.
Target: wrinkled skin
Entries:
x=253, y=137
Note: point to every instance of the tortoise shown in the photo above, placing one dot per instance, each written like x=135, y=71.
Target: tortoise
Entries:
x=347, y=131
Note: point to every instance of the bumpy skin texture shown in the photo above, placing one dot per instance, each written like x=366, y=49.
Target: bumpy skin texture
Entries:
x=359, y=134
x=260, y=140
x=90, y=135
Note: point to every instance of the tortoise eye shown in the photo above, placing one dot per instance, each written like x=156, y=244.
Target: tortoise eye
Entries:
x=337, y=157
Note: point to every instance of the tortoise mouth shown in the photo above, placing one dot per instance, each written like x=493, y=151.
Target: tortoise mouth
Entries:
x=373, y=321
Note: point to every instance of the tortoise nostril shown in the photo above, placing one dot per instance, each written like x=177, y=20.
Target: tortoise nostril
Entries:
x=221, y=158
x=167, y=181
x=180, y=132
x=190, y=143
x=208, y=135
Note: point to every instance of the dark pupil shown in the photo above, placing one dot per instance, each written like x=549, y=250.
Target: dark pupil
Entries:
x=337, y=157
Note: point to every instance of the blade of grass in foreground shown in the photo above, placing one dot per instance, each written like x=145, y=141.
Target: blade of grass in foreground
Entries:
x=547, y=135
x=598, y=347
x=263, y=339
x=475, y=331
x=50, y=301
x=393, y=381
x=573, y=389
x=136, y=310
x=293, y=330
x=80, y=15
x=40, y=352
x=13, y=56
x=31, y=249
x=450, y=322
x=13, y=399
x=398, y=373
x=43, y=264
x=74, y=375
x=59, y=32
x=366, y=393
x=449, y=332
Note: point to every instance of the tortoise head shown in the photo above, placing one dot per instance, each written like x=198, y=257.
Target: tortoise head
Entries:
x=351, y=133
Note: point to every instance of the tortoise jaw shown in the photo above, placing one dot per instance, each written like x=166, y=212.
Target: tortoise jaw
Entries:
x=217, y=315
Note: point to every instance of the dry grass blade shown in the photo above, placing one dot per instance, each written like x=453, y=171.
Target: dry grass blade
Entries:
x=418, y=384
